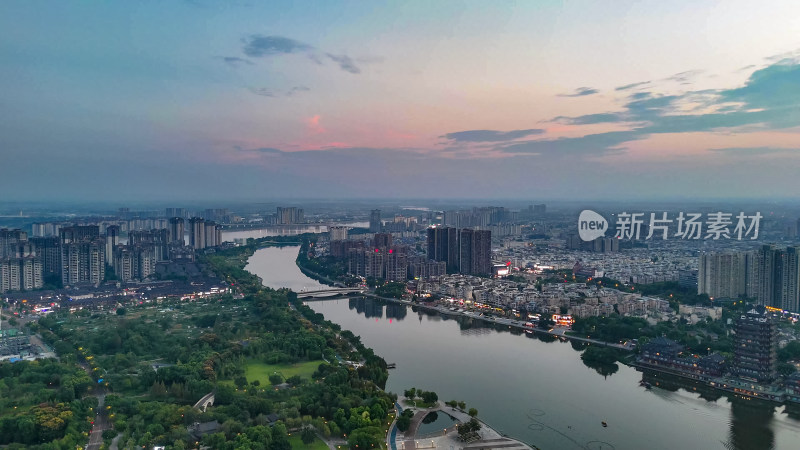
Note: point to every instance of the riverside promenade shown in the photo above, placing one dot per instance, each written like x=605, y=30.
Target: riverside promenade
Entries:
x=448, y=438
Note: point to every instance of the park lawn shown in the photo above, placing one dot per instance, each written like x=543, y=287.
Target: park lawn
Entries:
x=297, y=443
x=261, y=371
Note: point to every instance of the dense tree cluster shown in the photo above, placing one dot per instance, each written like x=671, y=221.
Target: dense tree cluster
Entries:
x=40, y=402
x=200, y=348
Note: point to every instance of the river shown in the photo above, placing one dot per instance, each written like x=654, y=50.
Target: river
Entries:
x=540, y=392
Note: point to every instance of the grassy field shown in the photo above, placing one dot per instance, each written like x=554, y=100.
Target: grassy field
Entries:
x=261, y=371
x=297, y=443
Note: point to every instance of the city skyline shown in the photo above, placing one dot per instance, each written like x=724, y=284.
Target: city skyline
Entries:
x=626, y=100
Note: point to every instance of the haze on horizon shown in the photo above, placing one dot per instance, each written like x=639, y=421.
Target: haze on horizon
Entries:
x=246, y=100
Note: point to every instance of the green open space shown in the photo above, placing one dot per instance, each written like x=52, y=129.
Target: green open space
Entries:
x=297, y=443
x=261, y=371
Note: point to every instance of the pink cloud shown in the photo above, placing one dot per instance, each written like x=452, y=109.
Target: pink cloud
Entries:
x=313, y=125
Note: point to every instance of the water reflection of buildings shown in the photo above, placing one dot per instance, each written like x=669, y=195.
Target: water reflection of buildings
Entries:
x=750, y=424
x=394, y=311
x=750, y=420
x=368, y=307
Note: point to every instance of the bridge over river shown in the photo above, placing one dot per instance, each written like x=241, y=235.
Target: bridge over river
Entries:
x=323, y=293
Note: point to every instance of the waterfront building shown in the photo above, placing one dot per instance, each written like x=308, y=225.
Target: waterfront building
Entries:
x=756, y=345
x=385, y=263
x=212, y=235
x=665, y=354
x=197, y=233
x=793, y=387
x=289, y=215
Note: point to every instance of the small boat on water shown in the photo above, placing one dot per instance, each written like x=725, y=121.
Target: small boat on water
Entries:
x=604, y=423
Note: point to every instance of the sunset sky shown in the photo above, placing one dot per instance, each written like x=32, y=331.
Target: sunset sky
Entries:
x=538, y=99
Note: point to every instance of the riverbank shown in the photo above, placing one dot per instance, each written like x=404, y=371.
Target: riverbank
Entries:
x=449, y=437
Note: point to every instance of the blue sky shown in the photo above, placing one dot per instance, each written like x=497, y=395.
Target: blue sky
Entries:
x=245, y=99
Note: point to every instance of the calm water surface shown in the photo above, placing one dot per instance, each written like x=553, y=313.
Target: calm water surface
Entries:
x=536, y=391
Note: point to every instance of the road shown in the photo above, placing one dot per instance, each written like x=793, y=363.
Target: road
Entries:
x=101, y=420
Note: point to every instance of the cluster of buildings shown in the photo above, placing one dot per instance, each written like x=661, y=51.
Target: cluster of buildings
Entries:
x=752, y=372
x=637, y=265
x=769, y=275
x=574, y=299
x=20, y=267
x=84, y=255
x=449, y=250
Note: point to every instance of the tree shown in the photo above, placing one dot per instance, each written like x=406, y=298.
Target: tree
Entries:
x=410, y=393
x=462, y=405
x=121, y=311
x=240, y=382
x=275, y=379
x=365, y=438
x=429, y=397
x=404, y=421
x=307, y=435
x=280, y=440
x=472, y=412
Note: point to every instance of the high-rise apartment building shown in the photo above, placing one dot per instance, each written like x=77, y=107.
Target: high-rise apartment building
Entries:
x=722, y=275
x=20, y=265
x=204, y=234
x=336, y=233
x=787, y=296
x=49, y=251
x=774, y=277
x=385, y=263
x=375, y=224
x=197, y=233
x=382, y=240
x=465, y=251
x=135, y=262
x=443, y=246
x=158, y=239
x=289, y=215
x=83, y=261
x=213, y=235
x=112, y=240
x=475, y=252
x=755, y=351
x=177, y=230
